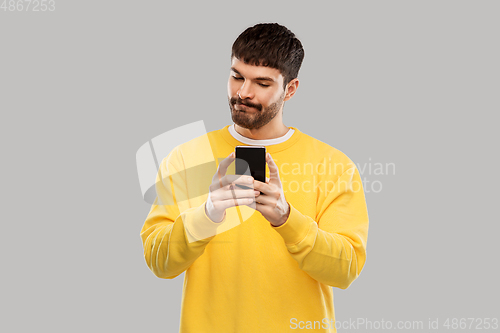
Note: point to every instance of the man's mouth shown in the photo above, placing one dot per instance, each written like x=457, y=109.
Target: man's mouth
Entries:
x=243, y=106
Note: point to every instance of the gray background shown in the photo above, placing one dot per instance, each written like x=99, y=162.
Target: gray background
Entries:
x=414, y=83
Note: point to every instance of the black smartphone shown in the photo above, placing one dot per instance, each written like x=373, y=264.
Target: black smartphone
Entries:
x=253, y=157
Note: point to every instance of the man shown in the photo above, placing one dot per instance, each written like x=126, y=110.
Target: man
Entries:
x=261, y=259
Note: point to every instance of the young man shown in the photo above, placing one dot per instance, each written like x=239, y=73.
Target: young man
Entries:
x=261, y=259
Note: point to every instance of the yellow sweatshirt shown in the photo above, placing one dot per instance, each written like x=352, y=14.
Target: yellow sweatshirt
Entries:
x=244, y=275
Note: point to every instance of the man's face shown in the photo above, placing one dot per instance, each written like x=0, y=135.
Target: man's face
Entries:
x=255, y=94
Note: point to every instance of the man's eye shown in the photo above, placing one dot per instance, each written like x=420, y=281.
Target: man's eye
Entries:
x=263, y=85
x=237, y=78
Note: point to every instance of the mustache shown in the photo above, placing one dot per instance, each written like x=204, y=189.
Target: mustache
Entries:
x=237, y=100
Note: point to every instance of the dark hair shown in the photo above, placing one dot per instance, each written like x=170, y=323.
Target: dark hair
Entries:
x=271, y=45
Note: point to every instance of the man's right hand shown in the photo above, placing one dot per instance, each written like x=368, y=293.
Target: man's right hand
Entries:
x=223, y=192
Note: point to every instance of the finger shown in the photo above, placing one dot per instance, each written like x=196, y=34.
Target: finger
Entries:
x=263, y=209
x=266, y=200
x=273, y=168
x=236, y=179
x=225, y=204
x=224, y=164
x=261, y=187
x=234, y=194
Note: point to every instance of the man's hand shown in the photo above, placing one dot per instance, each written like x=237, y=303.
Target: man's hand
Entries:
x=272, y=203
x=223, y=192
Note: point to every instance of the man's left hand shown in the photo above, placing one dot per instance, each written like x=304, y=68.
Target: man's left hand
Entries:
x=272, y=203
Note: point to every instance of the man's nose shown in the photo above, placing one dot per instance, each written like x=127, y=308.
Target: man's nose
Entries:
x=245, y=91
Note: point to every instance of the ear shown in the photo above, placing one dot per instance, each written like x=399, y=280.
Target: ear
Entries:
x=291, y=88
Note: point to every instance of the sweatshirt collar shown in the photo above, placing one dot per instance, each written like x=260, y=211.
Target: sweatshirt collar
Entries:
x=252, y=142
x=274, y=146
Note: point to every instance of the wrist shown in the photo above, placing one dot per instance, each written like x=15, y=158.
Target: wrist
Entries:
x=210, y=212
x=284, y=217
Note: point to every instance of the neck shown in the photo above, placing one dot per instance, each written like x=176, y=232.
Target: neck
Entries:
x=263, y=133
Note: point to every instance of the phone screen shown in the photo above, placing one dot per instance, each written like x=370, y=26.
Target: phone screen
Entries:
x=255, y=158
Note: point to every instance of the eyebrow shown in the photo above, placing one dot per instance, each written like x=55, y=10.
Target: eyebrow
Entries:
x=260, y=78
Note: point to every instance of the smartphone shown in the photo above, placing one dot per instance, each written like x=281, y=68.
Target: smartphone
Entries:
x=253, y=157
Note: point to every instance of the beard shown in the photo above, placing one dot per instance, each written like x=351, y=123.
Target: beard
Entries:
x=257, y=119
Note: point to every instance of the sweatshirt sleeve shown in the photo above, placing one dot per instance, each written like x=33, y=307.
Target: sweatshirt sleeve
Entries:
x=333, y=249
x=174, y=234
